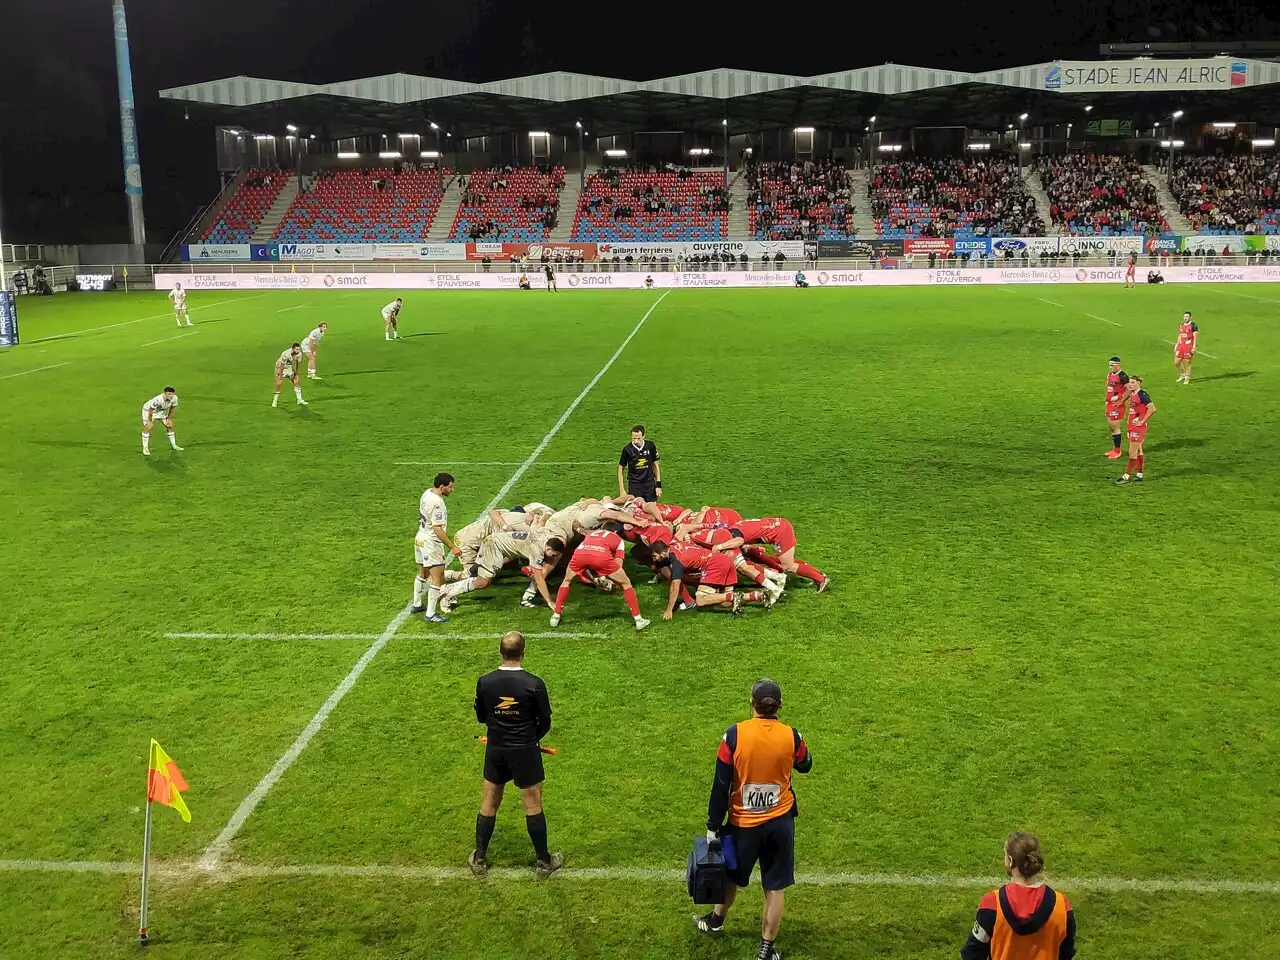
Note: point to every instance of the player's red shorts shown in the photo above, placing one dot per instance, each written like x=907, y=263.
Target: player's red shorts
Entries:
x=783, y=536
x=1115, y=411
x=602, y=564
x=1181, y=352
x=1137, y=434
x=719, y=574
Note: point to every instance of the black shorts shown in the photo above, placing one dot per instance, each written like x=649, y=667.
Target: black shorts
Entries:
x=773, y=844
x=645, y=491
x=520, y=764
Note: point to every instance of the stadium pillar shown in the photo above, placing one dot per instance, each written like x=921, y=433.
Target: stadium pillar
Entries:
x=582, y=161
x=128, y=129
x=724, y=125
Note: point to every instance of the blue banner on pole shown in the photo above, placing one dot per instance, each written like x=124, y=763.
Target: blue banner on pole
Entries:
x=8, y=319
x=124, y=85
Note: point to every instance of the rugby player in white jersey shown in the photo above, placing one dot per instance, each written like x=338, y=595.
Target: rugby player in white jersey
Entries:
x=178, y=297
x=159, y=407
x=571, y=523
x=287, y=367
x=471, y=538
x=310, y=345
x=430, y=547
x=531, y=548
x=389, y=314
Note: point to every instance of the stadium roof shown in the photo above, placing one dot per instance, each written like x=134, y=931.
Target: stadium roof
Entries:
x=898, y=96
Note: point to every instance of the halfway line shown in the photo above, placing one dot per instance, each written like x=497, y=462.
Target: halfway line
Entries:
x=212, y=855
x=52, y=366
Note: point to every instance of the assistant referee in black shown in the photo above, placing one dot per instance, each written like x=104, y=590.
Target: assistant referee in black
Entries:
x=513, y=704
x=639, y=472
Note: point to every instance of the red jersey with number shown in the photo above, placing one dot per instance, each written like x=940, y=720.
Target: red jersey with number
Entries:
x=1187, y=334
x=1115, y=387
x=600, y=544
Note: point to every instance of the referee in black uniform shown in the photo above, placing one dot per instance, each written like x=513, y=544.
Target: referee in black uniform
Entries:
x=513, y=704
x=638, y=468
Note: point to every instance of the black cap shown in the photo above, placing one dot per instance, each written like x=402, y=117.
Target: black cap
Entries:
x=766, y=690
x=1115, y=359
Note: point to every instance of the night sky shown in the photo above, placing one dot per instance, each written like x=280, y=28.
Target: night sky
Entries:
x=60, y=168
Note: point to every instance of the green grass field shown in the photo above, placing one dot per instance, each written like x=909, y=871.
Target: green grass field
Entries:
x=1010, y=640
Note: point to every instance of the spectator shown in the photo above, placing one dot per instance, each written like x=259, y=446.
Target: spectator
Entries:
x=1100, y=194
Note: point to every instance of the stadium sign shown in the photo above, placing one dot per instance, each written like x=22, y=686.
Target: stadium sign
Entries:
x=1165, y=243
x=927, y=245
x=1211, y=243
x=1032, y=246
x=1100, y=246
x=754, y=249
x=1131, y=76
x=216, y=251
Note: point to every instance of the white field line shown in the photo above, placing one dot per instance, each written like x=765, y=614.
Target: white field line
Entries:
x=500, y=463
x=23, y=373
x=297, y=307
x=158, y=316
x=1199, y=352
x=1249, y=296
x=213, y=853
x=237, y=871
x=175, y=337
x=373, y=636
x=1103, y=319
x=1053, y=302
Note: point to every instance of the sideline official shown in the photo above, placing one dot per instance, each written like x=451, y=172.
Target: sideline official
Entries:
x=1025, y=919
x=513, y=705
x=753, y=786
x=639, y=472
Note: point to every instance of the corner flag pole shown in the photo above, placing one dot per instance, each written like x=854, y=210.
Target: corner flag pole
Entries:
x=146, y=871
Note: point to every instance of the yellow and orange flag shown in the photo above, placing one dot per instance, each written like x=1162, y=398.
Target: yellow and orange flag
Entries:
x=165, y=782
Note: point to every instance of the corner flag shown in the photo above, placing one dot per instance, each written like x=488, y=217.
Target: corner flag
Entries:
x=165, y=782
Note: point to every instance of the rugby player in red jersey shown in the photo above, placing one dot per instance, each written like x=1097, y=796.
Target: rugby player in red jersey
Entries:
x=1185, y=349
x=705, y=519
x=771, y=580
x=1141, y=408
x=779, y=534
x=1116, y=396
x=1129, y=279
x=718, y=575
x=599, y=556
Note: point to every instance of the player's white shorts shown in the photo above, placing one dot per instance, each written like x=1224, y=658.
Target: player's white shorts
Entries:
x=306, y=348
x=285, y=371
x=152, y=422
x=428, y=551
x=469, y=543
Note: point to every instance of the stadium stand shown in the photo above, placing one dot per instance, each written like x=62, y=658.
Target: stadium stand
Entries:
x=1226, y=195
x=364, y=206
x=952, y=197
x=519, y=204
x=794, y=200
x=245, y=208
x=643, y=204
x=1100, y=194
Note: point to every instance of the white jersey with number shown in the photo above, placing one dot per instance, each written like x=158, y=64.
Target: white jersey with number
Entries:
x=159, y=407
x=179, y=298
x=390, y=310
x=432, y=513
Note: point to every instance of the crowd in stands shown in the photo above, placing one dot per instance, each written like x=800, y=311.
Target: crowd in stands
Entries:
x=1100, y=194
x=245, y=208
x=952, y=196
x=364, y=206
x=643, y=203
x=1234, y=194
x=799, y=200
x=509, y=203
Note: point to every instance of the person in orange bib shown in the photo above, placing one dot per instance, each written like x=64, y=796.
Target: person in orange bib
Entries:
x=1025, y=919
x=753, y=787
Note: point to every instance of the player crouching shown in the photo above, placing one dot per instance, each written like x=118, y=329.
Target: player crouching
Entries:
x=311, y=346
x=716, y=587
x=389, y=314
x=599, y=557
x=287, y=367
x=160, y=408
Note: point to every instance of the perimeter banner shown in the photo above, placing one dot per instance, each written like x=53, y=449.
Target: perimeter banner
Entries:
x=754, y=249
x=497, y=251
x=505, y=280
